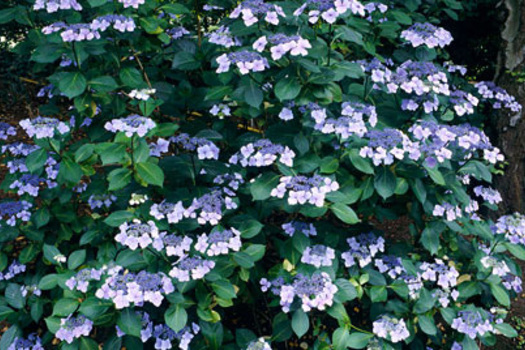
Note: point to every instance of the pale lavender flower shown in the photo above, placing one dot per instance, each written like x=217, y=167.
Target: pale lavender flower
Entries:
x=43, y=127
x=472, y=323
x=125, y=289
x=497, y=96
x=32, y=342
x=223, y=37
x=131, y=125
x=174, y=245
x=97, y=201
x=13, y=270
x=391, y=265
x=318, y=255
x=488, y=194
x=205, y=148
x=259, y=344
x=173, y=212
x=6, y=130
x=427, y=34
x=81, y=280
x=15, y=212
x=252, y=10
x=302, y=189
x=245, y=61
x=292, y=227
x=191, y=268
x=362, y=249
x=137, y=234
x=263, y=153
x=52, y=6
x=391, y=328
x=445, y=277
x=219, y=242
x=132, y=3
x=72, y=328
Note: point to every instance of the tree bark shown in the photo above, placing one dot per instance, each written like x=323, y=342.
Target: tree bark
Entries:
x=510, y=127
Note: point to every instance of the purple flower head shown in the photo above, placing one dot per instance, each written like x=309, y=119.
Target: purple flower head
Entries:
x=120, y=23
x=219, y=242
x=427, y=34
x=132, y=3
x=488, y=194
x=263, y=153
x=131, y=125
x=245, y=61
x=314, y=292
x=14, y=269
x=362, y=249
x=512, y=227
x=72, y=328
x=174, y=245
x=52, y=6
x=42, y=127
x=32, y=342
x=125, y=289
x=390, y=265
x=259, y=344
x=252, y=10
x=290, y=228
x=191, y=268
x=28, y=183
x=223, y=37
x=205, y=148
x=72, y=32
x=318, y=255
x=173, y=212
x=330, y=10
x=445, y=276
x=390, y=328
x=352, y=121
x=498, y=97
x=19, y=149
x=82, y=279
x=97, y=201
x=13, y=211
x=472, y=323
x=210, y=206
x=137, y=234
x=6, y=130
x=302, y=189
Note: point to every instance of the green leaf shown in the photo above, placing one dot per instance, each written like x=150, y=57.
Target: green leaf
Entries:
x=36, y=160
x=70, y=171
x=50, y=252
x=385, y=182
x=244, y=260
x=176, y=9
x=250, y=228
x=72, y=84
x=287, y=88
x=84, y=152
x=506, y=329
x=359, y=340
x=218, y=93
x=500, y=294
x=48, y=282
x=346, y=290
x=119, y=217
x=224, y=289
x=361, y=163
x=345, y=213
x=300, y=323
x=131, y=77
x=425, y=302
x=184, y=60
x=151, y=173
x=130, y=322
x=430, y=240
x=253, y=95
x=263, y=186
x=97, y=3
x=76, y=259
x=103, y=84
x=341, y=339
x=176, y=317
x=9, y=336
x=65, y=307
x=13, y=296
x=517, y=250
x=119, y=178
x=7, y=15
x=436, y=175
x=348, y=34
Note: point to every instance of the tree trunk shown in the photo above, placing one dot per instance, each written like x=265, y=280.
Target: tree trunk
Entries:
x=510, y=127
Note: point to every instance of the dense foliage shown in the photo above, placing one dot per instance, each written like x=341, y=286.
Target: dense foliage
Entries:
x=243, y=175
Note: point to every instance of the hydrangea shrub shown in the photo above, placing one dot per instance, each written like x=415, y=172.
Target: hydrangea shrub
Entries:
x=253, y=175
